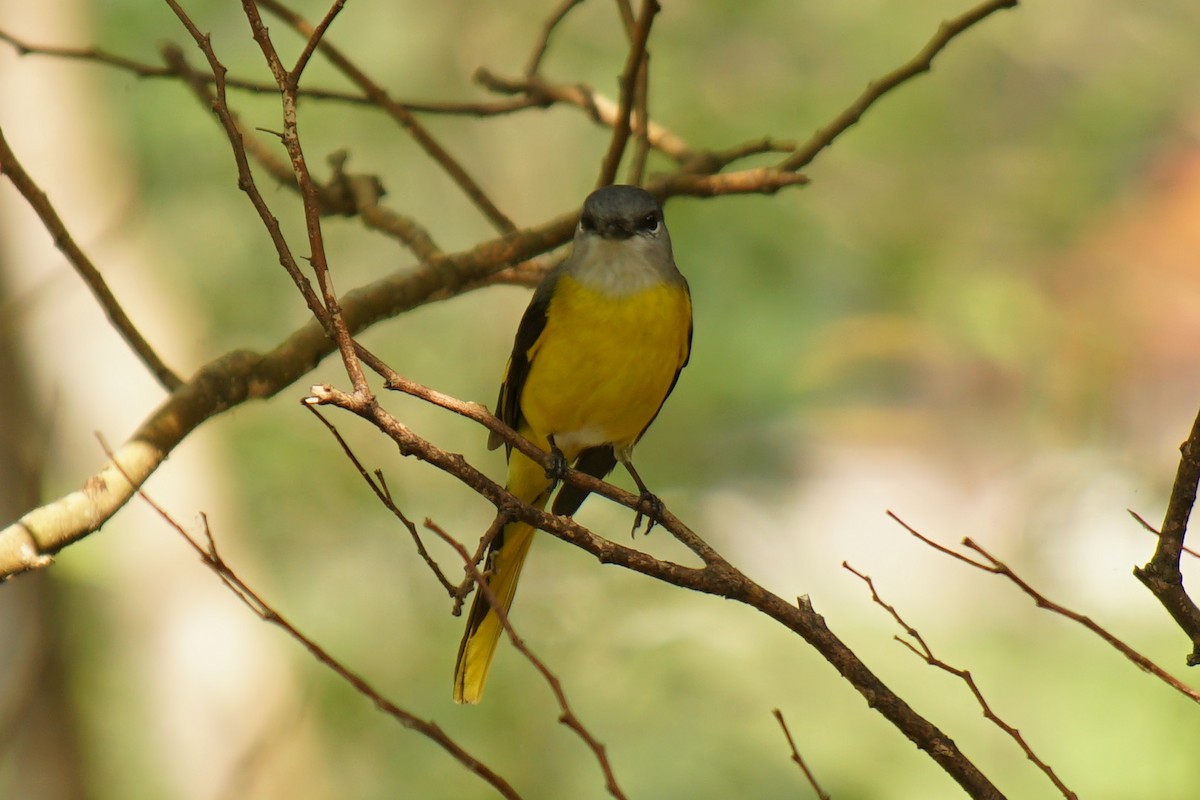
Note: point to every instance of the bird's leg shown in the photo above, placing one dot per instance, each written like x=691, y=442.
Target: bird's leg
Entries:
x=558, y=462
x=649, y=506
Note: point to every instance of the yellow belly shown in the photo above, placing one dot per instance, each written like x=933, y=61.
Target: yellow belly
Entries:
x=603, y=364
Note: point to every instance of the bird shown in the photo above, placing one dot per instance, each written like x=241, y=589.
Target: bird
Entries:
x=597, y=352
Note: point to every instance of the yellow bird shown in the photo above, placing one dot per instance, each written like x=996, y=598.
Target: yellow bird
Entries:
x=597, y=352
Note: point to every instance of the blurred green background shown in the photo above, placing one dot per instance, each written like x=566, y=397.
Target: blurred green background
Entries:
x=983, y=314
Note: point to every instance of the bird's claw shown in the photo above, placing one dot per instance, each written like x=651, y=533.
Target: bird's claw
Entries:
x=650, y=507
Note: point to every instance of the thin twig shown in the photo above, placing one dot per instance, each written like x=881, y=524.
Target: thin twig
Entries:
x=379, y=488
x=628, y=84
x=812, y=779
x=568, y=716
x=11, y=168
x=920, y=63
x=997, y=567
x=921, y=648
x=288, y=81
x=254, y=601
x=717, y=576
x=144, y=69
x=1145, y=523
x=539, y=48
x=401, y=115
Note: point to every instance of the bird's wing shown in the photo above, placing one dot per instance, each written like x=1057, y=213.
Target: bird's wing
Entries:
x=533, y=322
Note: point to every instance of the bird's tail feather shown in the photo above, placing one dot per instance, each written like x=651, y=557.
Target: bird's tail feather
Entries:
x=483, y=626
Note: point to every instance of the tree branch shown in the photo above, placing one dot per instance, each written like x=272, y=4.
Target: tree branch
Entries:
x=717, y=577
x=11, y=168
x=921, y=63
x=1161, y=575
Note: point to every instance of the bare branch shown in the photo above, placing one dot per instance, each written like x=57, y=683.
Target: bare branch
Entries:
x=254, y=601
x=812, y=780
x=919, y=646
x=401, y=115
x=920, y=63
x=539, y=49
x=996, y=567
x=1161, y=575
x=717, y=576
x=379, y=487
x=11, y=168
x=568, y=716
x=628, y=81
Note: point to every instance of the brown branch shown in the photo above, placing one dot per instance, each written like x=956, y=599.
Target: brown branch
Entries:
x=288, y=82
x=601, y=109
x=212, y=559
x=921, y=648
x=628, y=85
x=1161, y=575
x=379, y=487
x=241, y=375
x=996, y=567
x=539, y=48
x=812, y=780
x=567, y=716
x=1153, y=530
x=717, y=576
x=11, y=168
x=921, y=63
x=143, y=69
x=400, y=114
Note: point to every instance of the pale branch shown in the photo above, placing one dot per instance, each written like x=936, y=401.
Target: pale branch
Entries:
x=921, y=649
x=921, y=63
x=799, y=761
x=401, y=115
x=12, y=169
x=717, y=577
x=1161, y=574
x=996, y=567
x=601, y=109
x=212, y=559
x=567, y=716
x=243, y=375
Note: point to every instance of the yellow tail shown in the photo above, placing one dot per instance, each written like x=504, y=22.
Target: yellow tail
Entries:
x=483, y=626
x=503, y=567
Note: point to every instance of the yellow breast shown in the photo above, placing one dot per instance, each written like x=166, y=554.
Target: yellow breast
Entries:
x=604, y=363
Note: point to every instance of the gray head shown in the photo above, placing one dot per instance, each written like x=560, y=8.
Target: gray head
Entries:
x=621, y=212
x=621, y=242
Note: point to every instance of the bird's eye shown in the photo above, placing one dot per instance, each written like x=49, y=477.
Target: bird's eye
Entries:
x=586, y=223
x=650, y=223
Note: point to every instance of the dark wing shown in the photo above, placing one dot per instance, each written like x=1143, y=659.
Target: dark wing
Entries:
x=533, y=322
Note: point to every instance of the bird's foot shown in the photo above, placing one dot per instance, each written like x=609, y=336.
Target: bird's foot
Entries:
x=650, y=507
x=558, y=464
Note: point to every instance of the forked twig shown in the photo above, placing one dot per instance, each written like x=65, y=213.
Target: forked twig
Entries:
x=921, y=649
x=568, y=716
x=211, y=558
x=996, y=567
